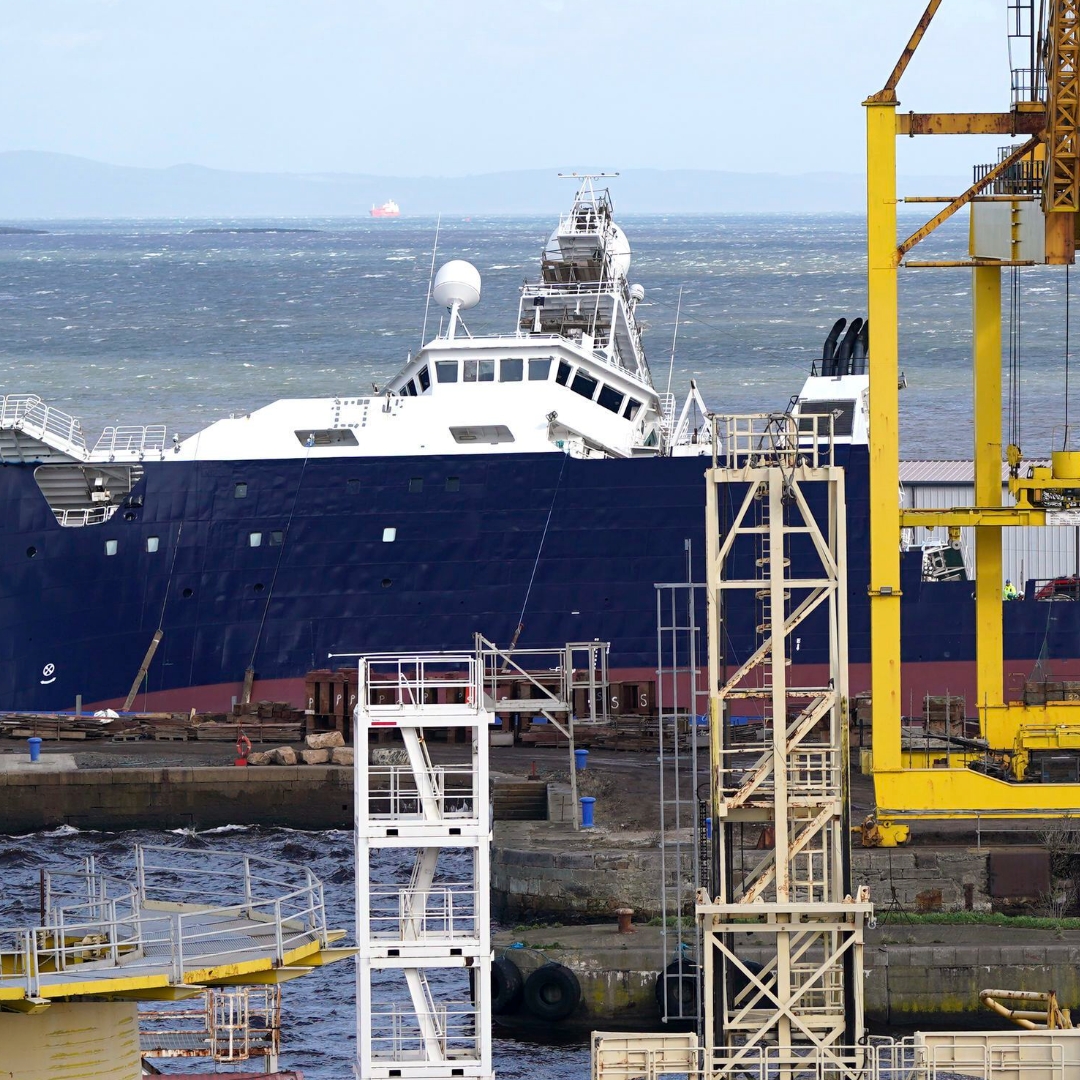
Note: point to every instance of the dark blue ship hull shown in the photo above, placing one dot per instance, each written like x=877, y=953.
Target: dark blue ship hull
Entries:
x=570, y=548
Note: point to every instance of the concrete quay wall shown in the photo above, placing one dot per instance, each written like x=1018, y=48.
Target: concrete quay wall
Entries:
x=301, y=796
x=908, y=983
x=532, y=878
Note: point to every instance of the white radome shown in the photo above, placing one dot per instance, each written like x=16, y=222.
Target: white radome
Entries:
x=458, y=282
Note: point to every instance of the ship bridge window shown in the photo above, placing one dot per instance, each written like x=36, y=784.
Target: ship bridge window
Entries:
x=423, y=378
x=842, y=412
x=324, y=437
x=631, y=409
x=510, y=369
x=446, y=370
x=539, y=370
x=479, y=371
x=610, y=398
x=584, y=384
x=562, y=375
x=486, y=433
x=410, y=388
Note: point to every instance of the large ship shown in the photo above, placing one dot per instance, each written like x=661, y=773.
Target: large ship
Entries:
x=531, y=486
x=388, y=209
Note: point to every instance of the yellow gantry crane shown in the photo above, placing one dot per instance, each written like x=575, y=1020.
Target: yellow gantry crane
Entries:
x=1024, y=211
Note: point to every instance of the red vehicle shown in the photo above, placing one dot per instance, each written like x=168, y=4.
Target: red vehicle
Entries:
x=1059, y=588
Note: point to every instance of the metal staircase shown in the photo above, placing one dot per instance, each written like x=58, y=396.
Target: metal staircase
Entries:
x=424, y=965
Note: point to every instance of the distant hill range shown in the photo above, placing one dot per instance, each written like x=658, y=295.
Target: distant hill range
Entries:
x=36, y=186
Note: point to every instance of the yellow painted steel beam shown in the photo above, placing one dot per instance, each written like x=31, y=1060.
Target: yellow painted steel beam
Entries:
x=1061, y=186
x=935, y=264
x=887, y=94
x=960, y=793
x=1008, y=123
x=273, y=977
x=331, y=956
x=986, y=365
x=884, y=420
x=967, y=516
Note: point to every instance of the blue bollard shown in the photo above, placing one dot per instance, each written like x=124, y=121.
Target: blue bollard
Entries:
x=35, y=748
x=708, y=828
x=581, y=760
x=587, y=811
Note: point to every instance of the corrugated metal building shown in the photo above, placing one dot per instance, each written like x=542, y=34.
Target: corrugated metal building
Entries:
x=1026, y=553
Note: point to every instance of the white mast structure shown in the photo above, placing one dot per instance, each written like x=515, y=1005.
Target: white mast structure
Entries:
x=424, y=960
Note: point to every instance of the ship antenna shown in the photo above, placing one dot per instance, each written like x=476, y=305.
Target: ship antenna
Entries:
x=674, y=338
x=431, y=278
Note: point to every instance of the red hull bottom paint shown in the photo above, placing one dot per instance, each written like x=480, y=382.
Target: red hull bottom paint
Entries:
x=943, y=677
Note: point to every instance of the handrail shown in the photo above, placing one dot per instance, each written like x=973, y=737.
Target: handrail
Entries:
x=27, y=412
x=123, y=922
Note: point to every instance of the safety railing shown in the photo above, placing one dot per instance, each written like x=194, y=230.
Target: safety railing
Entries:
x=781, y=439
x=93, y=515
x=393, y=684
x=394, y=792
x=134, y=440
x=267, y=913
x=443, y=912
x=399, y=1033
x=27, y=412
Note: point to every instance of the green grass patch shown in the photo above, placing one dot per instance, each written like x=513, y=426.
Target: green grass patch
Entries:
x=978, y=918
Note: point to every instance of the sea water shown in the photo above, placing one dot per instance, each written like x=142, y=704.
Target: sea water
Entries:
x=318, y=1010
x=182, y=322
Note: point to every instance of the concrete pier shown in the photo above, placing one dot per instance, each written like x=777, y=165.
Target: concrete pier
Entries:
x=915, y=974
x=301, y=796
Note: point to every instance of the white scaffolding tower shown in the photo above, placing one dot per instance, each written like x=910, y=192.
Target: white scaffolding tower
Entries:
x=424, y=961
x=776, y=528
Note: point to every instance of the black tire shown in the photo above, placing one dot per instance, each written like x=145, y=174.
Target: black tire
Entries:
x=678, y=984
x=552, y=992
x=506, y=986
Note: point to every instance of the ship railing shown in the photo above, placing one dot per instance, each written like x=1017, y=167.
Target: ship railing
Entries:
x=134, y=440
x=446, y=1032
x=28, y=413
x=444, y=912
x=778, y=439
x=160, y=922
x=91, y=515
x=418, y=683
x=395, y=795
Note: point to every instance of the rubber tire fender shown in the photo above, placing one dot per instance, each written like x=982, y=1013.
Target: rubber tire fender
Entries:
x=506, y=986
x=682, y=979
x=552, y=992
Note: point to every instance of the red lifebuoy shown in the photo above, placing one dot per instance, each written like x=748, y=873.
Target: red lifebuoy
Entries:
x=243, y=747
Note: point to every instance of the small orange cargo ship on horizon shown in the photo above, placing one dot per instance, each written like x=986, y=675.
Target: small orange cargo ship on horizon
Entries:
x=388, y=209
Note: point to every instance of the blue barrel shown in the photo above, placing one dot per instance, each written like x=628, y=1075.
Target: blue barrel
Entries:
x=581, y=760
x=35, y=748
x=587, y=812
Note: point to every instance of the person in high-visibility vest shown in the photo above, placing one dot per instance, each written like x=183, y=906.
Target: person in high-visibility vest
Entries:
x=1009, y=592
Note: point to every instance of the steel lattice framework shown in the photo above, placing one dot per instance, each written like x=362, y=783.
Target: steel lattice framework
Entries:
x=781, y=776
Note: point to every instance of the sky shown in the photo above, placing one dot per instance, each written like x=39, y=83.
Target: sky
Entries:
x=459, y=87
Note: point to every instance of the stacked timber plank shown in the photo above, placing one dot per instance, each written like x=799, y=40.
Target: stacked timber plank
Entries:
x=261, y=722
